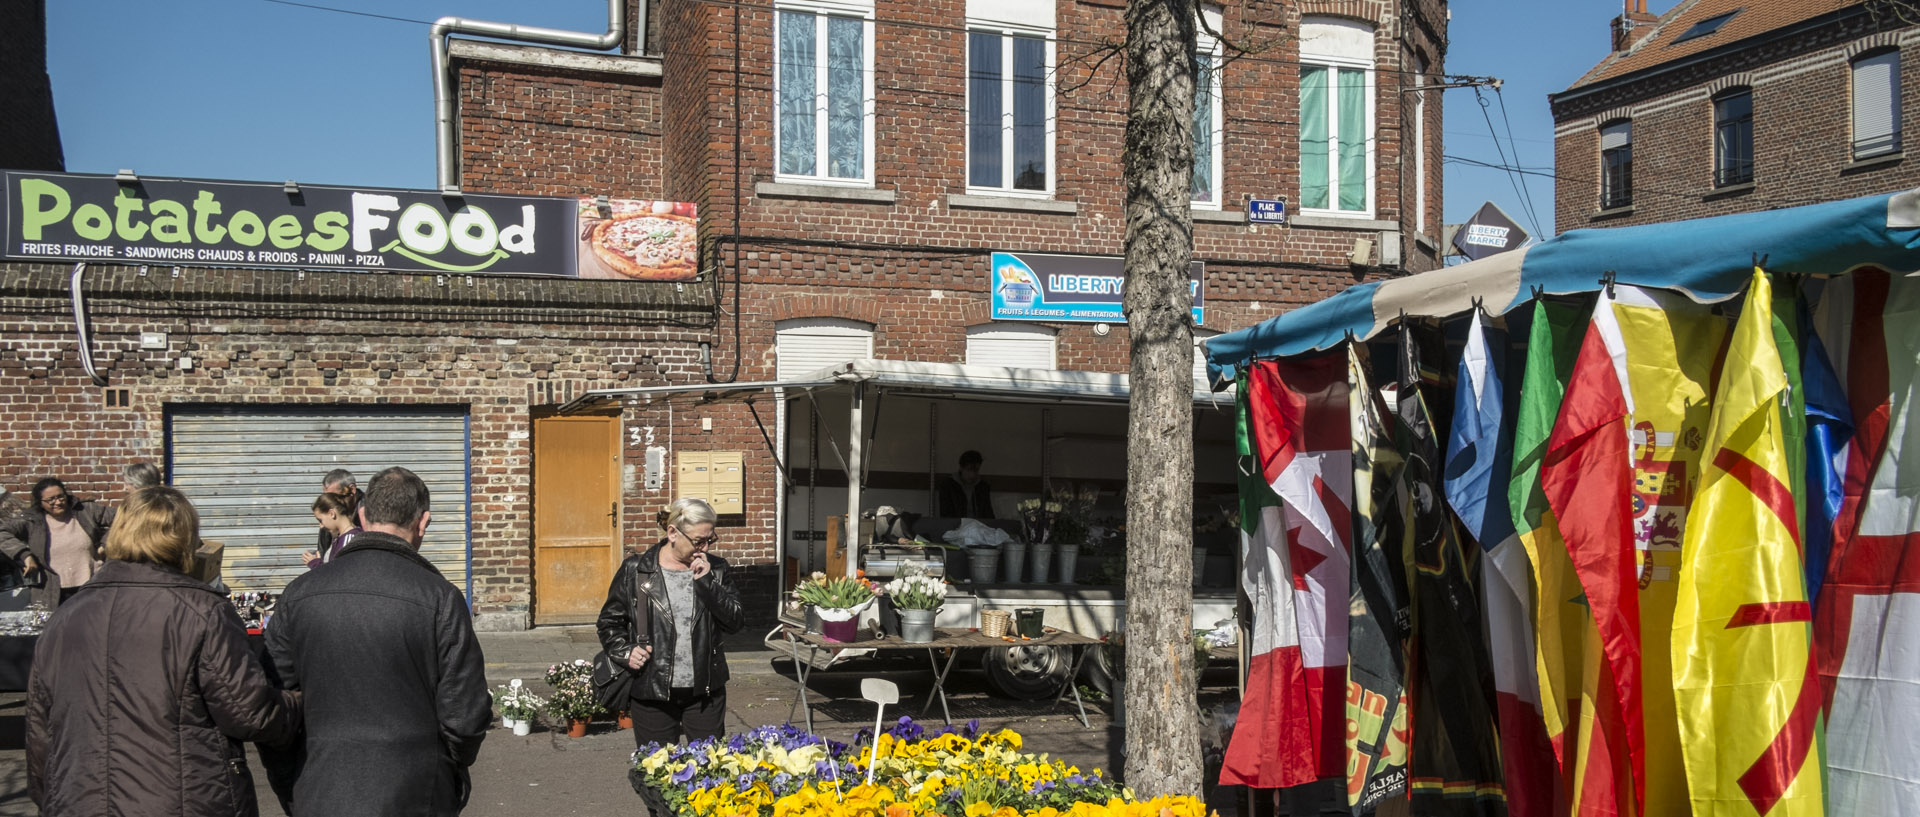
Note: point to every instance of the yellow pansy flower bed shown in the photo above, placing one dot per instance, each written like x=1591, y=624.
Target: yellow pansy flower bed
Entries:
x=780, y=771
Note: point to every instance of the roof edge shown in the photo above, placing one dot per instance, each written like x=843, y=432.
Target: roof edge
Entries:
x=1577, y=92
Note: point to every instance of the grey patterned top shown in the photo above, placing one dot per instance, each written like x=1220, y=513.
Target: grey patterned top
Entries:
x=681, y=600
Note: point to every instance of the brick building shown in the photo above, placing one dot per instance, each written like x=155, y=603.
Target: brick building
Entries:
x=852, y=182
x=1721, y=107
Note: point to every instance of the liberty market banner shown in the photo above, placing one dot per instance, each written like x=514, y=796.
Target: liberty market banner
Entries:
x=1068, y=288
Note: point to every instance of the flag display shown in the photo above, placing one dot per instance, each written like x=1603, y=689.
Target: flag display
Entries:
x=1588, y=480
x=1478, y=469
x=1378, y=611
x=1660, y=564
x=1297, y=430
x=1455, y=765
x=1561, y=619
x=1869, y=616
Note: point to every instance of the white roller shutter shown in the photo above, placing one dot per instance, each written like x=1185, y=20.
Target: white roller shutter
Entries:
x=1876, y=105
x=253, y=474
x=1016, y=345
x=805, y=345
x=1200, y=383
x=1616, y=135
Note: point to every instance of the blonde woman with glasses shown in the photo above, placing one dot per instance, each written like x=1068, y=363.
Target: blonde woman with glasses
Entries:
x=666, y=612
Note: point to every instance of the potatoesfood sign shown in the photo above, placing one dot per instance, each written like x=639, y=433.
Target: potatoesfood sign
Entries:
x=71, y=217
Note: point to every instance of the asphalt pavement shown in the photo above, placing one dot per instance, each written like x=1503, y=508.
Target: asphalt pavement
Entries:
x=548, y=773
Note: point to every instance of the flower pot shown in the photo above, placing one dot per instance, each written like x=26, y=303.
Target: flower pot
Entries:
x=506, y=721
x=845, y=632
x=1069, y=559
x=577, y=728
x=1013, y=557
x=984, y=564
x=1040, y=563
x=916, y=626
x=523, y=728
x=623, y=719
x=813, y=619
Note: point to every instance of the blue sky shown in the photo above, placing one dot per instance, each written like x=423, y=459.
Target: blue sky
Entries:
x=250, y=89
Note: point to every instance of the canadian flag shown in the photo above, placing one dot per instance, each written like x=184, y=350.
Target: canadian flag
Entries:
x=1297, y=488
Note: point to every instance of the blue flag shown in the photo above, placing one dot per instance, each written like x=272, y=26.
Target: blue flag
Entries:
x=1479, y=457
x=1829, y=428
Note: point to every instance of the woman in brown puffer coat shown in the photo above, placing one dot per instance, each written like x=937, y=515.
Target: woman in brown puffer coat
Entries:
x=143, y=686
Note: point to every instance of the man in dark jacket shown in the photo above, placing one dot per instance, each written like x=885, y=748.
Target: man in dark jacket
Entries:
x=384, y=651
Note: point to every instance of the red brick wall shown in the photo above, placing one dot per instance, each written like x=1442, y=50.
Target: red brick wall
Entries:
x=536, y=131
x=1802, y=137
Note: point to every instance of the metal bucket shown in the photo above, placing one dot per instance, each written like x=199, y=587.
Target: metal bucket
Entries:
x=916, y=626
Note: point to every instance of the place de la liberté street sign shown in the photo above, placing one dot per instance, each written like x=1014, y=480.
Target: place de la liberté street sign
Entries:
x=1068, y=288
x=1267, y=211
x=140, y=220
x=1489, y=232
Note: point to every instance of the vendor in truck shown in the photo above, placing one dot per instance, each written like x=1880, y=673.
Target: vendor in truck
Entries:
x=964, y=495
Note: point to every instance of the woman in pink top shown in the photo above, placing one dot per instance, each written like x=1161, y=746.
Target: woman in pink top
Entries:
x=58, y=540
x=335, y=513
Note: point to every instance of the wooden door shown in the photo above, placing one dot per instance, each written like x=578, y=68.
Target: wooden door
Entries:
x=576, y=516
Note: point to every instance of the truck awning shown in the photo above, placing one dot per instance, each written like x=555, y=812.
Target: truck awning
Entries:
x=908, y=378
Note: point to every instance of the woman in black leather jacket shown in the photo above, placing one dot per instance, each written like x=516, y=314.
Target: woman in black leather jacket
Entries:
x=665, y=614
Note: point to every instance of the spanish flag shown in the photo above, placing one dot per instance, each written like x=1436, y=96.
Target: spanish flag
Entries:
x=1744, y=684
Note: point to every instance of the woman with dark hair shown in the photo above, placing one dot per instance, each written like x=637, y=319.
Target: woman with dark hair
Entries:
x=336, y=515
x=664, y=616
x=60, y=538
x=143, y=686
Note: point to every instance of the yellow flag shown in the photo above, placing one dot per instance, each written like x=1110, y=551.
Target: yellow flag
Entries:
x=1747, y=700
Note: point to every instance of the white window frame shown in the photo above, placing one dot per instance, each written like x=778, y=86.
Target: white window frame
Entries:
x=1420, y=146
x=1208, y=46
x=862, y=11
x=1006, y=32
x=1335, y=62
x=1014, y=331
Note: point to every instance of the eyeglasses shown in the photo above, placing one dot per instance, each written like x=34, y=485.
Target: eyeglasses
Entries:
x=55, y=500
x=704, y=541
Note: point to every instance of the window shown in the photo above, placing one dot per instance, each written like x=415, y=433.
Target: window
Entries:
x=1616, y=165
x=803, y=346
x=1009, y=132
x=1207, y=116
x=1705, y=27
x=1420, y=149
x=1876, y=105
x=824, y=88
x=1733, y=139
x=1336, y=116
x=1016, y=345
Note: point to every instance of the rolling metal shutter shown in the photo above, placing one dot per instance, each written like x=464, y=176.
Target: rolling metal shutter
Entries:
x=253, y=474
x=1876, y=105
x=805, y=345
x=1010, y=344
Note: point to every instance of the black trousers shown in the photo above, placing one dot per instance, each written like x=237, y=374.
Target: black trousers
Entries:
x=686, y=711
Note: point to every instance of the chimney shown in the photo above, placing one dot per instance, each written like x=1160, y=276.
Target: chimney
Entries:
x=1633, y=24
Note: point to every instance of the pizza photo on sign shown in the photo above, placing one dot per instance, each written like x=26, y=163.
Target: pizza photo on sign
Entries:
x=638, y=240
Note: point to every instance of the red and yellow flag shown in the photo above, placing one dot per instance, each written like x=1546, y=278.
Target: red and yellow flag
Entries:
x=1747, y=697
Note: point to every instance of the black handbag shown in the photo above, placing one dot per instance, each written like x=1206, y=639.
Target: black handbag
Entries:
x=612, y=680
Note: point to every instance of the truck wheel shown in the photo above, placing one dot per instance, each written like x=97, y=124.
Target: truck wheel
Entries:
x=1028, y=673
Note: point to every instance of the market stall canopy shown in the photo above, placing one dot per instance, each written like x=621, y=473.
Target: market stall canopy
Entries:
x=1709, y=259
x=925, y=379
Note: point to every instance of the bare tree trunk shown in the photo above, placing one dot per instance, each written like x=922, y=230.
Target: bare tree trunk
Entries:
x=1163, y=725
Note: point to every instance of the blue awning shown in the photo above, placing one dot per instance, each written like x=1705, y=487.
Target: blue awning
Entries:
x=1709, y=259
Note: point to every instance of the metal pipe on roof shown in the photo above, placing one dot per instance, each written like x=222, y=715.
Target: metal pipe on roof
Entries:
x=448, y=175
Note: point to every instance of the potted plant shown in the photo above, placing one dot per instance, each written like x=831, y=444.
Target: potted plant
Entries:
x=573, y=700
x=839, y=601
x=518, y=705
x=918, y=597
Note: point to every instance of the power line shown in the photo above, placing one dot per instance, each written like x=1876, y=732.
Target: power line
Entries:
x=1508, y=121
x=1512, y=177
x=352, y=12
x=1636, y=188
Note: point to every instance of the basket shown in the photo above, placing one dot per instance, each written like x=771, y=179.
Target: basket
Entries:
x=995, y=623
